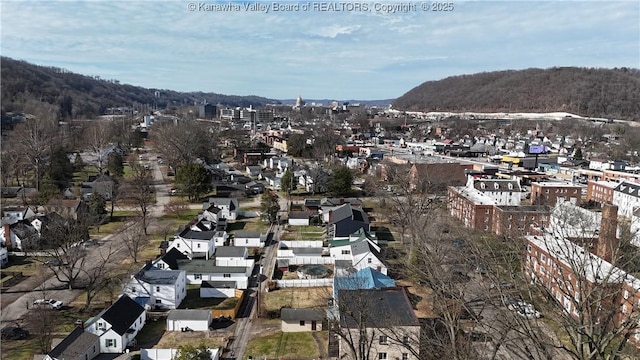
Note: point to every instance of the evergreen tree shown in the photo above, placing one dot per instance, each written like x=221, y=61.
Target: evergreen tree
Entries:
x=115, y=165
x=60, y=168
x=194, y=180
x=288, y=183
x=341, y=181
x=270, y=207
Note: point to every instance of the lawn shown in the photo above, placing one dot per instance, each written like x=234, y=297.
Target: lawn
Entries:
x=296, y=298
x=194, y=301
x=183, y=215
x=292, y=345
x=303, y=233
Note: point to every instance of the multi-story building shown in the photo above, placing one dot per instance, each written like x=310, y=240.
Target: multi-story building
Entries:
x=520, y=220
x=473, y=208
x=381, y=322
x=627, y=197
x=502, y=191
x=550, y=193
x=601, y=191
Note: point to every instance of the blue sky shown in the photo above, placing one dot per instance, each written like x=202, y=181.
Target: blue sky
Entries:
x=317, y=53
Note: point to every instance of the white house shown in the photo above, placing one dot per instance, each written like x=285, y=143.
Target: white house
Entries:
x=13, y=214
x=200, y=270
x=19, y=235
x=502, y=191
x=627, y=197
x=118, y=325
x=159, y=289
x=168, y=261
x=195, y=244
x=279, y=163
x=212, y=213
x=188, y=319
x=229, y=207
x=361, y=253
x=249, y=239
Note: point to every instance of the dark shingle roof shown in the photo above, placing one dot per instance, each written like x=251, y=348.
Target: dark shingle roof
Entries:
x=172, y=256
x=74, y=345
x=376, y=308
x=287, y=314
x=212, y=284
x=196, y=235
x=122, y=314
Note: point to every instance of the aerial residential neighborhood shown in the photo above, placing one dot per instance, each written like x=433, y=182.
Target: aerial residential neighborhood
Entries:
x=319, y=181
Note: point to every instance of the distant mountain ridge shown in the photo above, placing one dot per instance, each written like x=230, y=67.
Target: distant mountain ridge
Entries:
x=91, y=96
x=593, y=92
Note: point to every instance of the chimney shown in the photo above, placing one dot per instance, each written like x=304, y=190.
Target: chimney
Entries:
x=7, y=236
x=341, y=201
x=607, y=240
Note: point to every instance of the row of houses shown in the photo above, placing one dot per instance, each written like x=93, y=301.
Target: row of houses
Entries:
x=197, y=254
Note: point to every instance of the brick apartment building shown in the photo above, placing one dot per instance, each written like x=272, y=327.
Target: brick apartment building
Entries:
x=510, y=221
x=474, y=209
x=569, y=272
x=600, y=191
x=550, y=193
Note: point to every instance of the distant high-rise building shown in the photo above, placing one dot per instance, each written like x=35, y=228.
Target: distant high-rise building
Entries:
x=207, y=111
x=299, y=102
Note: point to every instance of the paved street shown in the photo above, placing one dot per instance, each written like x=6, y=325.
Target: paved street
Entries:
x=16, y=300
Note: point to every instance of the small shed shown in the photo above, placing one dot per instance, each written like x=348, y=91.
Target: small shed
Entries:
x=188, y=320
x=297, y=320
x=299, y=218
x=218, y=289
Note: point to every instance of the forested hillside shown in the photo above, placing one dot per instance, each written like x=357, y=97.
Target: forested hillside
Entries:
x=81, y=96
x=610, y=93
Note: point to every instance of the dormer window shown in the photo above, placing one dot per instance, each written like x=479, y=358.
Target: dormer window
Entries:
x=510, y=186
x=482, y=185
x=496, y=186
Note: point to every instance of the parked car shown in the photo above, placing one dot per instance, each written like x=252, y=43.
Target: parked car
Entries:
x=90, y=243
x=50, y=303
x=13, y=333
x=53, y=262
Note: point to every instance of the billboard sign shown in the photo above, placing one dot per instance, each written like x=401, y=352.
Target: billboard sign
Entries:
x=537, y=149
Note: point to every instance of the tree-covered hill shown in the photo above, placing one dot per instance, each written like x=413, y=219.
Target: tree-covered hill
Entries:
x=81, y=96
x=608, y=93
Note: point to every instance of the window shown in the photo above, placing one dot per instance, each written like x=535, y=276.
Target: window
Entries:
x=178, y=245
x=133, y=289
x=198, y=245
x=382, y=356
x=543, y=258
x=626, y=294
x=383, y=339
x=110, y=342
x=101, y=326
x=301, y=322
x=405, y=339
x=158, y=301
x=157, y=288
x=510, y=186
x=246, y=241
x=346, y=252
x=405, y=356
x=486, y=211
x=546, y=191
x=160, y=266
x=226, y=275
x=369, y=260
x=197, y=276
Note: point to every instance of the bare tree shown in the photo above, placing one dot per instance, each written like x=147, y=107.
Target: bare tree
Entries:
x=184, y=143
x=139, y=189
x=63, y=239
x=96, y=277
x=97, y=137
x=580, y=267
x=34, y=139
x=134, y=238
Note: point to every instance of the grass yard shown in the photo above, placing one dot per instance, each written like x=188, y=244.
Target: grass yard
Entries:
x=20, y=349
x=183, y=216
x=303, y=233
x=194, y=301
x=296, y=298
x=296, y=345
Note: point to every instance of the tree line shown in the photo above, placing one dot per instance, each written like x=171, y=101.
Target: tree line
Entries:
x=595, y=92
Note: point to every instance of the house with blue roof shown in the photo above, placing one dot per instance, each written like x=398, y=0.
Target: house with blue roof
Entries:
x=366, y=278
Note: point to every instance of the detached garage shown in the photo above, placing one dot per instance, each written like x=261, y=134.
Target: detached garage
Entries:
x=186, y=320
x=217, y=289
